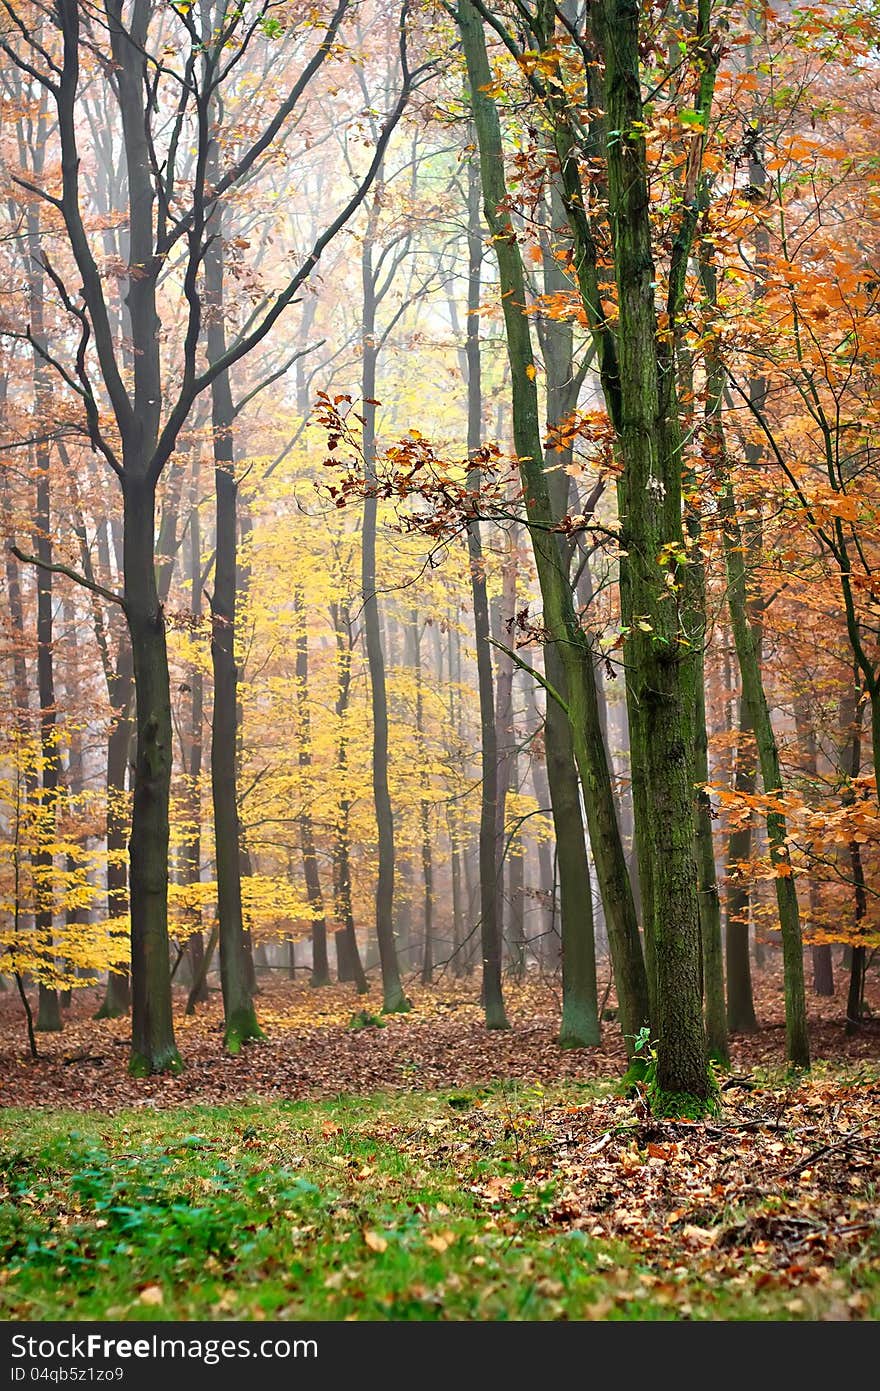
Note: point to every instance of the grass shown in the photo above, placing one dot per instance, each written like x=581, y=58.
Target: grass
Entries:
x=368, y=1208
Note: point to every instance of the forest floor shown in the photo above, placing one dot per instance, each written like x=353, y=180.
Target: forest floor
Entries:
x=428, y=1169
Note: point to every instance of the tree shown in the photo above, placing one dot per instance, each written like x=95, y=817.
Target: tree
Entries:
x=157, y=105
x=559, y=615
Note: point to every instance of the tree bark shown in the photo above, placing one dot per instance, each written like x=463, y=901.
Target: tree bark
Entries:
x=193, y=848
x=49, y=1011
x=797, y=1039
x=153, y=1045
x=320, y=965
x=579, y=1027
x=490, y=930
x=236, y=979
x=566, y=635
x=394, y=999
x=428, y=951
x=348, y=958
x=823, y=967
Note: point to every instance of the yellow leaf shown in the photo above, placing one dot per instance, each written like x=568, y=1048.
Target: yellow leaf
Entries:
x=375, y=1241
x=531, y=371
x=441, y=1241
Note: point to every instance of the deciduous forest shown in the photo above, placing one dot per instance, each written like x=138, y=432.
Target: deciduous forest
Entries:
x=440, y=659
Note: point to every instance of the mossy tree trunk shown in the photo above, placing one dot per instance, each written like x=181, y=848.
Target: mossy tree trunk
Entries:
x=565, y=633
x=662, y=669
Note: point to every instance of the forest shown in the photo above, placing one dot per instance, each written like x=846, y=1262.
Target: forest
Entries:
x=439, y=660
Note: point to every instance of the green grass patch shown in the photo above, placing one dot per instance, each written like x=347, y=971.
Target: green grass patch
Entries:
x=373, y=1208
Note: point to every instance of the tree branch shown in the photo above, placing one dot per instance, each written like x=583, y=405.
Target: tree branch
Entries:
x=74, y=575
x=536, y=675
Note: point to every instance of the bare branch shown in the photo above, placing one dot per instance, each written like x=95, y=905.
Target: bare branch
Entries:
x=74, y=575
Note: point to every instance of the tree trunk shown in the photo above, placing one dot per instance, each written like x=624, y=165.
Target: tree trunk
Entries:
x=193, y=849
x=851, y=759
x=236, y=979
x=199, y=988
x=661, y=666
x=152, y=1026
x=394, y=999
x=490, y=933
x=753, y=694
x=427, y=973
x=320, y=965
x=740, y=999
x=579, y=1027
x=117, y=997
x=797, y=1040
x=823, y=967
x=49, y=1012
x=458, y=912
x=516, y=901
x=348, y=959
x=714, y=1011
x=565, y=632
x=502, y=616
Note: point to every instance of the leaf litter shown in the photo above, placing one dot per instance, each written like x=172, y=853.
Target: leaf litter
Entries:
x=779, y=1190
